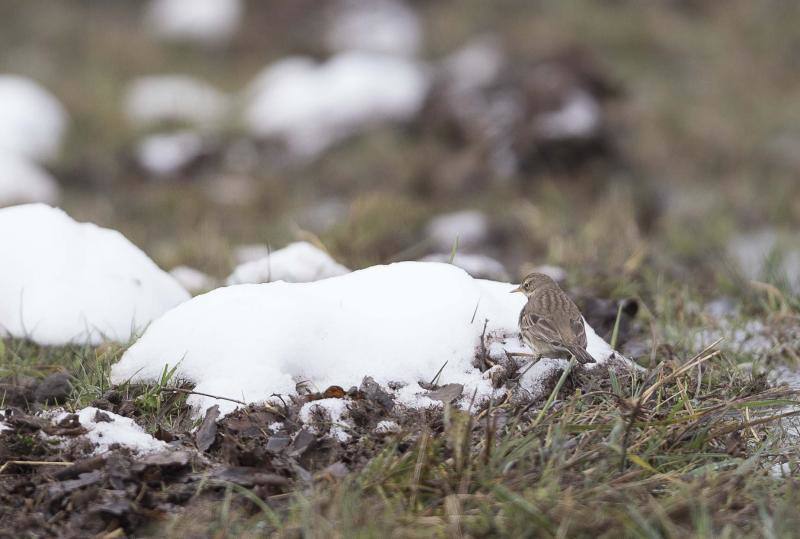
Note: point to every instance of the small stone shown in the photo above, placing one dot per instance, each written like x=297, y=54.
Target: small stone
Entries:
x=54, y=389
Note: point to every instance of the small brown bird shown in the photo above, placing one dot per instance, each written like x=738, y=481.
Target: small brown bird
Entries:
x=550, y=322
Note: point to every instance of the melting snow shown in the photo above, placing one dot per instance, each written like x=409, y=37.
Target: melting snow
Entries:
x=333, y=410
x=32, y=120
x=298, y=262
x=386, y=26
x=471, y=227
x=63, y=281
x=578, y=118
x=310, y=106
x=480, y=266
x=209, y=22
x=396, y=323
x=23, y=181
x=166, y=154
x=119, y=430
x=193, y=280
x=174, y=98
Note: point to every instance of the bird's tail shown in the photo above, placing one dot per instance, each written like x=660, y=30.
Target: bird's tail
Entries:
x=581, y=354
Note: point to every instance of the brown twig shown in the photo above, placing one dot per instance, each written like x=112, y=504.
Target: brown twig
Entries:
x=190, y=392
x=32, y=463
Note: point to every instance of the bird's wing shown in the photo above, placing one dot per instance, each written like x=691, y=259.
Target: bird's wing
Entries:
x=540, y=328
x=576, y=323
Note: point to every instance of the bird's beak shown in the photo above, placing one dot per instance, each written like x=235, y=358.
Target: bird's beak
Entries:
x=517, y=289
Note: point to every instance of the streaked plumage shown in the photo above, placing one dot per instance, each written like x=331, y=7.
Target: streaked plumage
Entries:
x=550, y=322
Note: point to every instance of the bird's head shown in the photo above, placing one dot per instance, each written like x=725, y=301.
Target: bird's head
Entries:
x=534, y=282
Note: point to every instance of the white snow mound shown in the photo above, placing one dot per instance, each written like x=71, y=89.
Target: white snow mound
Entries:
x=298, y=262
x=23, y=181
x=310, y=106
x=399, y=323
x=67, y=282
x=208, y=22
x=32, y=120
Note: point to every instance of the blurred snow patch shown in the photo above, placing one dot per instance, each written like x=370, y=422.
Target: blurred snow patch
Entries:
x=474, y=66
x=479, y=266
x=166, y=154
x=298, y=262
x=67, y=282
x=32, y=120
x=767, y=255
x=106, y=429
x=750, y=337
x=311, y=106
x=557, y=273
x=23, y=181
x=208, y=22
x=385, y=26
x=578, y=118
x=398, y=323
x=174, y=98
x=250, y=252
x=471, y=227
x=193, y=280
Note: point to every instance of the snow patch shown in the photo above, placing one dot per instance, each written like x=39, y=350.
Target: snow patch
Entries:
x=174, y=98
x=334, y=411
x=193, y=280
x=166, y=154
x=471, y=227
x=385, y=26
x=751, y=337
x=209, y=22
x=397, y=323
x=578, y=118
x=474, y=66
x=119, y=430
x=23, y=181
x=298, y=262
x=311, y=106
x=479, y=266
x=67, y=282
x=767, y=255
x=32, y=120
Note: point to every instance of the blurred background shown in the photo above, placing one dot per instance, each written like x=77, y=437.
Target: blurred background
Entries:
x=622, y=143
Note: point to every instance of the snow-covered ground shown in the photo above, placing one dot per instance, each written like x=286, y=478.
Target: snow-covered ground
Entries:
x=63, y=281
x=32, y=121
x=23, y=181
x=311, y=106
x=298, y=262
x=207, y=22
x=174, y=98
x=398, y=323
